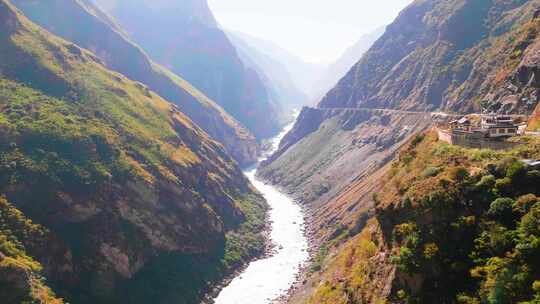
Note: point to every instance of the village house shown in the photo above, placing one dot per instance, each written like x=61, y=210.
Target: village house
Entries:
x=491, y=126
x=485, y=131
x=499, y=126
x=464, y=124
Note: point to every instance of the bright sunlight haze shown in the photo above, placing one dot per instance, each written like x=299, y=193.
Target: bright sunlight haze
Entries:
x=316, y=30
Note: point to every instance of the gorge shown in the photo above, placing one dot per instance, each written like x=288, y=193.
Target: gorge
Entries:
x=141, y=157
x=267, y=279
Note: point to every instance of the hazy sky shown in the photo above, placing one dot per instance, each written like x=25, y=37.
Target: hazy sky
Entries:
x=315, y=30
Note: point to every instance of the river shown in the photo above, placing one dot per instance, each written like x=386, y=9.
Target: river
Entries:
x=265, y=280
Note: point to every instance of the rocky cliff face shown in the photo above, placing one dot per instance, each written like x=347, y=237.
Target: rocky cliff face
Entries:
x=86, y=25
x=406, y=69
x=349, y=143
x=387, y=230
x=516, y=85
x=527, y=76
x=438, y=55
x=184, y=37
x=132, y=200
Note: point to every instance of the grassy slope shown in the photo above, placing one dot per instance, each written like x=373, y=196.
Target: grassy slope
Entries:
x=101, y=151
x=203, y=55
x=441, y=226
x=88, y=27
x=21, y=278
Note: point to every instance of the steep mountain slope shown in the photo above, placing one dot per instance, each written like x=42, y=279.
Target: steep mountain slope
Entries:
x=327, y=149
x=441, y=55
x=83, y=23
x=388, y=232
x=339, y=69
x=275, y=75
x=21, y=276
x=132, y=200
x=185, y=38
x=534, y=121
x=451, y=225
x=402, y=67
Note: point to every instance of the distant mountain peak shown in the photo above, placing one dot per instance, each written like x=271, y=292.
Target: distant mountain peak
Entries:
x=192, y=45
x=348, y=59
x=120, y=181
x=302, y=74
x=9, y=21
x=88, y=26
x=438, y=54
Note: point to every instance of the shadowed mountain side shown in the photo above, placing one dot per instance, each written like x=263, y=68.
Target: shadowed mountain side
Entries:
x=133, y=202
x=86, y=25
x=191, y=44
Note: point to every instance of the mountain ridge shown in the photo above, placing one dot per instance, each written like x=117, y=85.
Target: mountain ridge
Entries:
x=200, y=52
x=105, y=38
x=386, y=230
x=426, y=60
x=282, y=90
x=346, y=61
x=127, y=191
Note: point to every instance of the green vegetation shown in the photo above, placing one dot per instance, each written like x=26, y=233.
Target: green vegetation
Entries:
x=130, y=194
x=451, y=225
x=20, y=274
x=45, y=144
x=88, y=27
x=470, y=233
x=319, y=259
x=246, y=241
x=349, y=272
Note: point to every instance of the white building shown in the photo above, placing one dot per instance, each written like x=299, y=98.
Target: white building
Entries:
x=498, y=126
